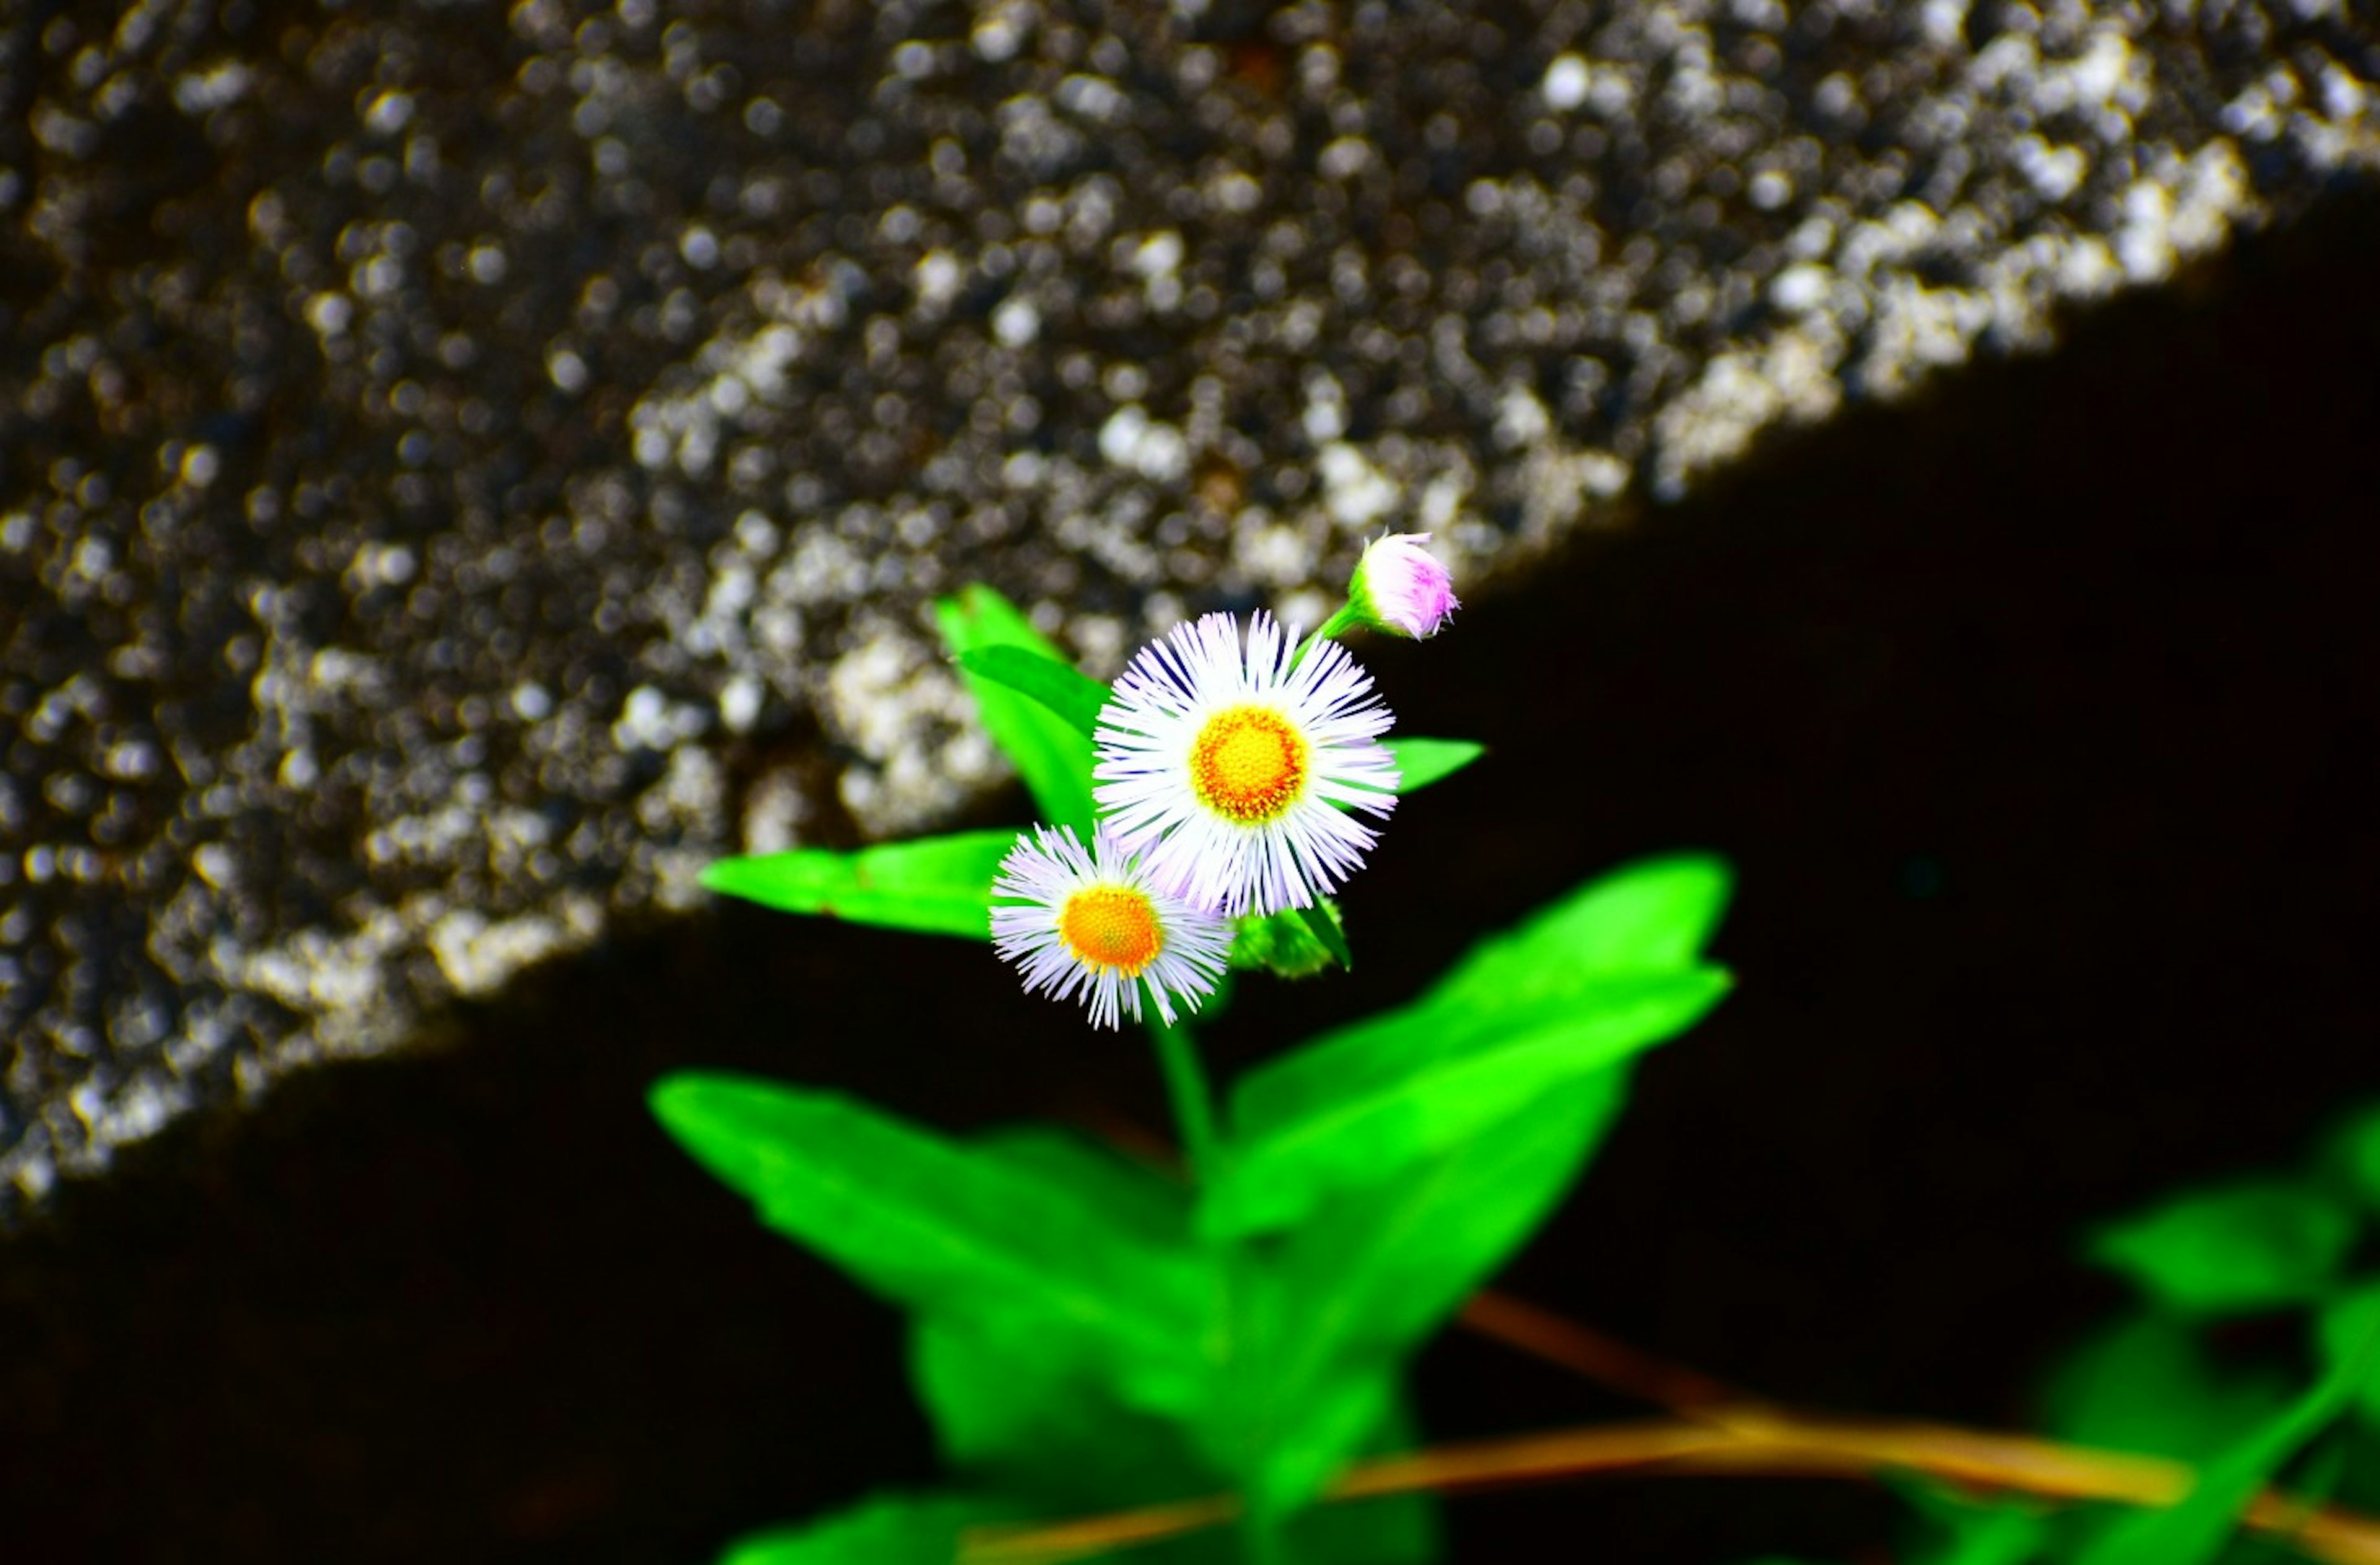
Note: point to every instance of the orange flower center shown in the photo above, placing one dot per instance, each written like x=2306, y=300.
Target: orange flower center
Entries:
x=1112, y=927
x=1248, y=764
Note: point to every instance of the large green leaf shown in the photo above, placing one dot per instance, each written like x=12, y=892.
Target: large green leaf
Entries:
x=2195, y=1530
x=1372, y=1272
x=1051, y=755
x=1009, y=1413
x=1421, y=762
x=934, y=885
x=1356, y=1107
x=2255, y=1246
x=888, y=1528
x=1651, y=915
x=1039, y=1425
x=1074, y=698
x=2148, y=1384
x=954, y=1233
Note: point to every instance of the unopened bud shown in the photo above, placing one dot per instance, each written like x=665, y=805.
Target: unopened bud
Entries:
x=1401, y=587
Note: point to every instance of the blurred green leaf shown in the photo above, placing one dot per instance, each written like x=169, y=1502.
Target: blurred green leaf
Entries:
x=1321, y=921
x=1651, y=915
x=1421, y=762
x=2195, y=1530
x=2354, y=1150
x=1139, y=1198
x=1375, y=1270
x=2255, y=1246
x=1075, y=699
x=1282, y=944
x=1009, y=1413
x=883, y=1528
x=1972, y=1530
x=1355, y=1106
x=952, y=1233
x=2149, y=1385
x=2346, y=1320
x=934, y=885
x=1051, y=755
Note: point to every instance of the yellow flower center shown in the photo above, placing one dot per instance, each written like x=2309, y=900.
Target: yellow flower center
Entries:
x=1248, y=764
x=1112, y=927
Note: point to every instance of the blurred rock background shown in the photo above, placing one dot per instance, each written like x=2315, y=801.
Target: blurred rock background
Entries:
x=461, y=467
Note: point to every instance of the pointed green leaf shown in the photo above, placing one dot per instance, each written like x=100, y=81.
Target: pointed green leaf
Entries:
x=2149, y=1385
x=1282, y=944
x=1421, y=762
x=1051, y=755
x=2255, y=1246
x=1039, y=1425
x=1375, y=1271
x=935, y=885
x=1075, y=699
x=887, y=1528
x=2195, y=1530
x=943, y=1230
x=1354, y=1106
x=1654, y=914
x=1322, y=923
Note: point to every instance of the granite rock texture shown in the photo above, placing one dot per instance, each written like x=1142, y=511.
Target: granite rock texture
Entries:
x=461, y=468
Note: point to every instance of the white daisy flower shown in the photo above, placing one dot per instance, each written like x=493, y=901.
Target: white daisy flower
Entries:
x=1226, y=771
x=1091, y=923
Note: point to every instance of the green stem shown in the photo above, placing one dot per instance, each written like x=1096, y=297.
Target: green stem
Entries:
x=1185, y=1083
x=1345, y=617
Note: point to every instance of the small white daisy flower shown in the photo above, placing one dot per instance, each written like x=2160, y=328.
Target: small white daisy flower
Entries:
x=1226, y=769
x=1091, y=923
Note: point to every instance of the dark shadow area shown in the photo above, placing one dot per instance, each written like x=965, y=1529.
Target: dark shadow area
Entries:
x=2034, y=713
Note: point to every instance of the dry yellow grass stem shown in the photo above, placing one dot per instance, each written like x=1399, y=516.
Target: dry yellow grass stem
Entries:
x=1719, y=1432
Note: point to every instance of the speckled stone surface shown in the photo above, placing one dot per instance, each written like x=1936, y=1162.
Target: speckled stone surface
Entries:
x=461, y=468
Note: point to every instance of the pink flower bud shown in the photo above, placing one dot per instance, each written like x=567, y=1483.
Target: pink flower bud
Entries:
x=1401, y=587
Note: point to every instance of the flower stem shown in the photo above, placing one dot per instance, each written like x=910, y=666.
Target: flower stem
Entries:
x=1345, y=617
x=1185, y=1083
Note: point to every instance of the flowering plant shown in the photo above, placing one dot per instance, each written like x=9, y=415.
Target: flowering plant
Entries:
x=1090, y=1331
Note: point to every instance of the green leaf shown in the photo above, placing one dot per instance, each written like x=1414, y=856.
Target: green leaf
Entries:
x=1051, y=755
x=2195, y=1530
x=1654, y=914
x=2255, y=1246
x=934, y=885
x=1376, y=1270
x=883, y=1528
x=1421, y=762
x=1354, y=1106
x=2345, y=1321
x=1282, y=944
x=1322, y=923
x=2354, y=1151
x=2149, y=1385
x=1026, y=1422
x=1075, y=699
x=1971, y=1529
x=952, y=1231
